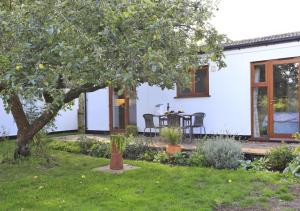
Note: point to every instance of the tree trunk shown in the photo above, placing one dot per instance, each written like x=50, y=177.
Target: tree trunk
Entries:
x=26, y=130
x=23, y=140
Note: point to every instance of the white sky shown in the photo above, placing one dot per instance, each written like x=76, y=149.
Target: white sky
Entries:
x=243, y=19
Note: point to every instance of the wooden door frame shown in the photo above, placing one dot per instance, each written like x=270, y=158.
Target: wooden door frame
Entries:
x=270, y=93
x=126, y=115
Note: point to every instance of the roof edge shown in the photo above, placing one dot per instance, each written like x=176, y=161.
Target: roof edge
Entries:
x=252, y=43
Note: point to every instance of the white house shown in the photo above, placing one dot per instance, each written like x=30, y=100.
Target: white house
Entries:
x=256, y=95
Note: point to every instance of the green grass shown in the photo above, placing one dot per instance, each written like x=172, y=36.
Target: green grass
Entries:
x=69, y=184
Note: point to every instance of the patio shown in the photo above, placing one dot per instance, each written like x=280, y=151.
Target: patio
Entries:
x=248, y=147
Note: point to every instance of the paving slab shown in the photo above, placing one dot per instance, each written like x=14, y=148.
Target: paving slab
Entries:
x=126, y=167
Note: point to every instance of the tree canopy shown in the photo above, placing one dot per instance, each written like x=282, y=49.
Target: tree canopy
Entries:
x=53, y=50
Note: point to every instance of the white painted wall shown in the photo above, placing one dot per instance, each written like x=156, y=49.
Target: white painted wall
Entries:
x=97, y=104
x=7, y=124
x=228, y=107
x=66, y=120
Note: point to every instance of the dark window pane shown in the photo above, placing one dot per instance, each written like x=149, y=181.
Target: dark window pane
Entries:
x=200, y=81
x=259, y=73
x=286, y=98
x=184, y=90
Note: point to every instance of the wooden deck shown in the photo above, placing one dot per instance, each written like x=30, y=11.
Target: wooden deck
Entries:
x=248, y=147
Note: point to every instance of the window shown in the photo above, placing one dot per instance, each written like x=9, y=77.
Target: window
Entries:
x=199, y=86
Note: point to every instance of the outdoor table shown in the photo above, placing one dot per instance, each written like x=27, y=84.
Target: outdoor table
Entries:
x=185, y=122
x=163, y=121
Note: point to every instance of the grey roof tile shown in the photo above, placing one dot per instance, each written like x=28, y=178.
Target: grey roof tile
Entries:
x=261, y=41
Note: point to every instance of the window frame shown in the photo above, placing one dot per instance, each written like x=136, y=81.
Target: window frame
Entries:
x=193, y=92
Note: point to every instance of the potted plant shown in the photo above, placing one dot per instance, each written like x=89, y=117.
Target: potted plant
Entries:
x=118, y=143
x=173, y=136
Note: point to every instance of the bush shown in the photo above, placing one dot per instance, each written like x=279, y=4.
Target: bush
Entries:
x=294, y=167
x=100, y=149
x=222, y=152
x=197, y=157
x=172, y=135
x=161, y=157
x=179, y=158
x=278, y=158
x=66, y=146
x=259, y=164
x=85, y=144
x=148, y=155
x=132, y=130
x=296, y=151
x=136, y=148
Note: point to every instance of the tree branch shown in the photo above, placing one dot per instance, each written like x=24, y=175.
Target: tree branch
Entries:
x=185, y=26
x=2, y=87
x=47, y=97
x=71, y=95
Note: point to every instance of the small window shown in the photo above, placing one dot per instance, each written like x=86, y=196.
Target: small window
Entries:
x=259, y=73
x=199, y=86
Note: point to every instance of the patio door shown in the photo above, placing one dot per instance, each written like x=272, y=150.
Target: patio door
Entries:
x=122, y=110
x=275, y=98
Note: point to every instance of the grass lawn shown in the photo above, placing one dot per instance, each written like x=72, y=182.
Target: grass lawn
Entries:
x=69, y=184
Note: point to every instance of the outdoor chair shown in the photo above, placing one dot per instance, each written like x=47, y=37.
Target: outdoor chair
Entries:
x=149, y=123
x=163, y=121
x=173, y=120
x=196, y=121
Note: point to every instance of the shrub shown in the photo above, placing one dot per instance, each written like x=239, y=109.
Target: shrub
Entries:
x=259, y=164
x=132, y=130
x=222, y=152
x=294, y=167
x=85, y=144
x=172, y=135
x=278, y=158
x=100, y=149
x=197, y=157
x=296, y=151
x=161, y=157
x=66, y=146
x=179, y=158
x=148, y=155
x=136, y=148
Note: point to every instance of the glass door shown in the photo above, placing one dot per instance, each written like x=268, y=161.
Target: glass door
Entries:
x=275, y=98
x=122, y=110
x=284, y=105
x=118, y=111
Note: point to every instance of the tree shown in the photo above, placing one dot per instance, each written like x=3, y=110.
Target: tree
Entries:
x=54, y=50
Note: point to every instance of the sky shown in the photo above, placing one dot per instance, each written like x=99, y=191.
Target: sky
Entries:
x=244, y=19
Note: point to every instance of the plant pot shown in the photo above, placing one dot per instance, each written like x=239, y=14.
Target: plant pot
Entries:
x=171, y=149
x=116, y=161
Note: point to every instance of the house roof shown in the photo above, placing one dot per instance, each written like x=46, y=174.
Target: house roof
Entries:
x=262, y=41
